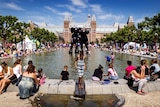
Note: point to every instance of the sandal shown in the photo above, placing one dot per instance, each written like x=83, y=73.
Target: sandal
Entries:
x=140, y=93
x=143, y=92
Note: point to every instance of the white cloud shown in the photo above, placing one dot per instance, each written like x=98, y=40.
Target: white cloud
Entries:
x=64, y=13
x=139, y=20
x=51, y=9
x=57, y=12
x=96, y=8
x=110, y=16
x=11, y=6
x=80, y=3
x=71, y=8
x=40, y=20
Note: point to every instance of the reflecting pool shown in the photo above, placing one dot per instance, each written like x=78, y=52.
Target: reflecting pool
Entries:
x=53, y=62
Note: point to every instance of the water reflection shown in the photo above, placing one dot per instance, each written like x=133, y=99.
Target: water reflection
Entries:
x=53, y=62
x=109, y=100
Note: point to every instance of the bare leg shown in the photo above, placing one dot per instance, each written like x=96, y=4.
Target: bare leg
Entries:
x=4, y=82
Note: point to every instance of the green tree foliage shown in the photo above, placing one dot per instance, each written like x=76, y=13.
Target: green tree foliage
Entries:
x=147, y=31
x=13, y=31
x=43, y=35
x=6, y=26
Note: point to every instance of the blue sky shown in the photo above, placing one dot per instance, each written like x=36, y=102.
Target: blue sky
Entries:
x=106, y=11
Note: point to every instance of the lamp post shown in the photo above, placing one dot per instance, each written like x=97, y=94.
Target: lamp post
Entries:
x=155, y=37
x=21, y=35
x=134, y=32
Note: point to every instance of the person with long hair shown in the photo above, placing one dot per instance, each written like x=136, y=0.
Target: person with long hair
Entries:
x=9, y=76
x=27, y=83
x=138, y=76
x=17, y=69
x=80, y=91
x=112, y=72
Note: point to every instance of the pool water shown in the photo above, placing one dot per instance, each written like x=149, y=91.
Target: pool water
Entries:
x=52, y=100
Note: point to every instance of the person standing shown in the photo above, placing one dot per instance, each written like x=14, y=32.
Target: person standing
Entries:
x=80, y=64
x=64, y=73
x=112, y=56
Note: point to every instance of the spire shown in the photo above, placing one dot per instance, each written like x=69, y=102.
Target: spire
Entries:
x=93, y=18
x=89, y=17
x=130, y=19
x=68, y=18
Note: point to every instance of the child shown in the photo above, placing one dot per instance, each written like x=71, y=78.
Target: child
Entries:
x=64, y=73
x=111, y=72
x=41, y=77
x=112, y=56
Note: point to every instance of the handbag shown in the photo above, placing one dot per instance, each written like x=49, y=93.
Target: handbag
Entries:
x=19, y=79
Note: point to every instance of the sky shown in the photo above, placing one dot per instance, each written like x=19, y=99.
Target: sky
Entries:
x=52, y=12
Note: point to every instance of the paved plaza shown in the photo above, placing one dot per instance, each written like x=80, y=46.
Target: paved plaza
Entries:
x=151, y=99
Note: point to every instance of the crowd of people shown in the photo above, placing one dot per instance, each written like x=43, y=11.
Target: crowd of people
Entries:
x=80, y=65
x=137, y=76
x=12, y=51
x=27, y=80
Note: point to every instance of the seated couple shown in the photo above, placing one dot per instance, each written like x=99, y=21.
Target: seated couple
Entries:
x=98, y=73
x=138, y=79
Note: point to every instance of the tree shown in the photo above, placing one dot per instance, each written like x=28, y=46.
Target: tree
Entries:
x=43, y=36
x=6, y=25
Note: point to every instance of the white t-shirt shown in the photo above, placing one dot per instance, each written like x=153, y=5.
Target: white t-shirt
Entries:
x=112, y=72
x=16, y=70
x=1, y=68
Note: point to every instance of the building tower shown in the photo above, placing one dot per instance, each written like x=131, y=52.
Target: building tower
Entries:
x=130, y=21
x=93, y=29
x=66, y=32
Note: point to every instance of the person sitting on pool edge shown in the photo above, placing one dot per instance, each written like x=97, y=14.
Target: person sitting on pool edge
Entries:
x=98, y=72
x=128, y=69
x=112, y=72
x=64, y=74
x=80, y=92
